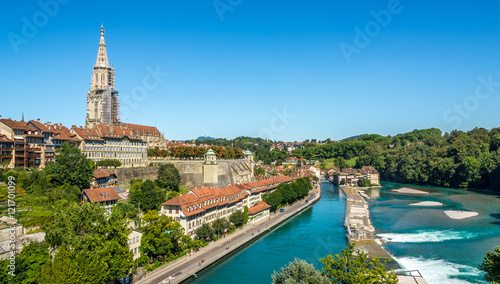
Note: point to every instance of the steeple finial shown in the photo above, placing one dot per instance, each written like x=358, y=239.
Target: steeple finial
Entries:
x=102, y=57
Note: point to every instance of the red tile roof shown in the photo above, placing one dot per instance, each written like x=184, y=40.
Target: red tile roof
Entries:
x=40, y=126
x=368, y=169
x=111, y=131
x=87, y=133
x=101, y=194
x=258, y=207
x=19, y=125
x=141, y=129
x=61, y=132
x=201, y=199
x=103, y=174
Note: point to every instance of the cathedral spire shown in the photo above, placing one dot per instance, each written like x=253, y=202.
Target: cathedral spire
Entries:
x=102, y=57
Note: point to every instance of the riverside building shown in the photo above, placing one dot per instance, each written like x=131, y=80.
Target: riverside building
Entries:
x=207, y=204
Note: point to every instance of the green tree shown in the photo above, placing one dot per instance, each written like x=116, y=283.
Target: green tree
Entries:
x=349, y=269
x=71, y=167
x=61, y=270
x=148, y=194
x=220, y=225
x=168, y=177
x=109, y=163
x=162, y=236
x=363, y=182
x=237, y=218
x=469, y=171
x=30, y=262
x=340, y=163
x=260, y=171
x=491, y=266
x=97, y=244
x=300, y=272
x=204, y=232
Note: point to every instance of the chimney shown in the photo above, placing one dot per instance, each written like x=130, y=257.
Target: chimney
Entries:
x=38, y=119
x=48, y=123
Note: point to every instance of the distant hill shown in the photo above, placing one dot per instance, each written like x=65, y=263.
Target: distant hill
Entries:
x=356, y=137
x=203, y=138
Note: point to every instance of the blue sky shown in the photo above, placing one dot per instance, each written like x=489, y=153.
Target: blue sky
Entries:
x=259, y=68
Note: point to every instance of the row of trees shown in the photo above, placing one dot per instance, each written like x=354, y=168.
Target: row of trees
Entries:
x=109, y=163
x=345, y=268
x=456, y=159
x=350, y=268
x=182, y=152
x=288, y=193
x=211, y=232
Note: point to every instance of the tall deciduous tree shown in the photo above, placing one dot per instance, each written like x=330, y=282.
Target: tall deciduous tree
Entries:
x=30, y=262
x=71, y=167
x=237, y=218
x=349, y=269
x=491, y=266
x=220, y=225
x=204, y=232
x=148, y=194
x=162, y=236
x=299, y=272
x=97, y=245
x=168, y=177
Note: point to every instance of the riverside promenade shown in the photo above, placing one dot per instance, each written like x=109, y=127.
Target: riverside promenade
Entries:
x=359, y=229
x=185, y=267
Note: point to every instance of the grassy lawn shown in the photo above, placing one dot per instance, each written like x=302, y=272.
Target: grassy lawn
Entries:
x=328, y=163
x=352, y=162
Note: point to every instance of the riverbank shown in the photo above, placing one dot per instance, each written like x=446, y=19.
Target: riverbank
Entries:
x=360, y=230
x=185, y=267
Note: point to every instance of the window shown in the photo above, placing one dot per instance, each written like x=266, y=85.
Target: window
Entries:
x=170, y=211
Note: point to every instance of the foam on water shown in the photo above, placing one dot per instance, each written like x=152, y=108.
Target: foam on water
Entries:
x=422, y=236
x=438, y=271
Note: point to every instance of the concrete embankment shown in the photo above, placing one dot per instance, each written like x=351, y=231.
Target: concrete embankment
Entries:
x=188, y=266
x=360, y=230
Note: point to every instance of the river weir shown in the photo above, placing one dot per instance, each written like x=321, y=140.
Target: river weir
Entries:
x=360, y=230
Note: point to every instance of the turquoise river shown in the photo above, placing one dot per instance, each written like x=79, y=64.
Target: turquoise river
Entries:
x=444, y=250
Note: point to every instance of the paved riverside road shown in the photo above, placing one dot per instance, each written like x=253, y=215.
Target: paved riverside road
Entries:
x=183, y=268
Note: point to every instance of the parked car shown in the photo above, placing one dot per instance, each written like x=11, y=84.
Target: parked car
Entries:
x=282, y=209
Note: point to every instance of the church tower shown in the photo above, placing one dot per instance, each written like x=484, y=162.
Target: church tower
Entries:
x=103, y=102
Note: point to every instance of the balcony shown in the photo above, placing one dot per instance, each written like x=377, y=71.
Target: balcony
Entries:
x=19, y=162
x=5, y=156
x=6, y=149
